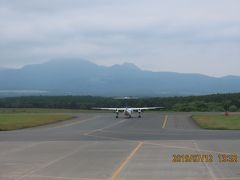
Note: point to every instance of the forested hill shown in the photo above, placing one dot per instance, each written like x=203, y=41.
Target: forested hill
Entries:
x=216, y=102
x=81, y=77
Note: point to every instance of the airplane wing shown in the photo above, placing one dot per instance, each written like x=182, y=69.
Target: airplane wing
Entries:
x=111, y=109
x=146, y=108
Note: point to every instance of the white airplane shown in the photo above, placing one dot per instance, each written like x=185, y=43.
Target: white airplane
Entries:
x=129, y=111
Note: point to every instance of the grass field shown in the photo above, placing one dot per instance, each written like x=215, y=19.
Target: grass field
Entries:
x=42, y=110
x=19, y=121
x=231, y=122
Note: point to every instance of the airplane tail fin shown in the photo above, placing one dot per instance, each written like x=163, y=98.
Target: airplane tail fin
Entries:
x=126, y=98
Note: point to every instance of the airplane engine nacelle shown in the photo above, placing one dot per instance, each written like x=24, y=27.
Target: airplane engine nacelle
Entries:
x=117, y=113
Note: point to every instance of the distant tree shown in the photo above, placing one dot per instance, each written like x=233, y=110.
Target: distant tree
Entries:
x=227, y=104
x=215, y=102
x=233, y=108
x=215, y=107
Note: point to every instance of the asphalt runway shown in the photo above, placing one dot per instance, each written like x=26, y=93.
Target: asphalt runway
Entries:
x=97, y=146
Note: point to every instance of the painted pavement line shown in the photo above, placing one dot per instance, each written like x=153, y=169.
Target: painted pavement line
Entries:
x=165, y=122
x=125, y=162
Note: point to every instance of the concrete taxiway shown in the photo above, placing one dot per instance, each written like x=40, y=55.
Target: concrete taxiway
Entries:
x=98, y=146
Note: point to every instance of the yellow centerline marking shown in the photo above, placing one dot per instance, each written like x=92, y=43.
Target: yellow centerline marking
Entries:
x=125, y=162
x=165, y=121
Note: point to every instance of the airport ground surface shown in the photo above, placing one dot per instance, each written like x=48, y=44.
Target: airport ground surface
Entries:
x=98, y=146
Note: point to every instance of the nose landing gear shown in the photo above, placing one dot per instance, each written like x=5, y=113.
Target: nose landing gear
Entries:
x=139, y=115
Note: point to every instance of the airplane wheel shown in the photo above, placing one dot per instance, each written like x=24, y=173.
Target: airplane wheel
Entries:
x=116, y=116
x=139, y=116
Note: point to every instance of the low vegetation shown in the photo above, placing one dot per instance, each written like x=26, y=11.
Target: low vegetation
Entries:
x=44, y=110
x=208, y=103
x=231, y=122
x=19, y=121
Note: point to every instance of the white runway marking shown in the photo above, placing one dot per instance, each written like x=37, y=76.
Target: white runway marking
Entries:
x=20, y=148
x=205, y=164
x=58, y=177
x=74, y=123
x=101, y=129
x=165, y=122
x=54, y=161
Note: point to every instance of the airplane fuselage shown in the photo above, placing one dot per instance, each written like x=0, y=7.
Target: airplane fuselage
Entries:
x=128, y=112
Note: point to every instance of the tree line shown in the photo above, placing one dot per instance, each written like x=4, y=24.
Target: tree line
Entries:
x=211, y=103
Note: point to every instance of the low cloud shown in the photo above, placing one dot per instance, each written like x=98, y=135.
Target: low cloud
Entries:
x=182, y=36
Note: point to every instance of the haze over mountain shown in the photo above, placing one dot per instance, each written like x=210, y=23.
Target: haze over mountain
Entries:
x=81, y=77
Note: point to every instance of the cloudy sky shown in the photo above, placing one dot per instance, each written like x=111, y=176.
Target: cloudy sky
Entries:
x=200, y=36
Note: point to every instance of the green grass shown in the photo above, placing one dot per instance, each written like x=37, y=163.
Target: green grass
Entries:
x=231, y=122
x=42, y=110
x=19, y=121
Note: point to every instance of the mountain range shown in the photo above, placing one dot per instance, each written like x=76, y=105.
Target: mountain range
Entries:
x=82, y=77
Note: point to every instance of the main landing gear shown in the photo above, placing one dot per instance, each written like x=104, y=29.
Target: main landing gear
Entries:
x=139, y=113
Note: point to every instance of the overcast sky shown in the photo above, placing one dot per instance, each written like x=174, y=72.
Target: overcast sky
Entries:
x=191, y=36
